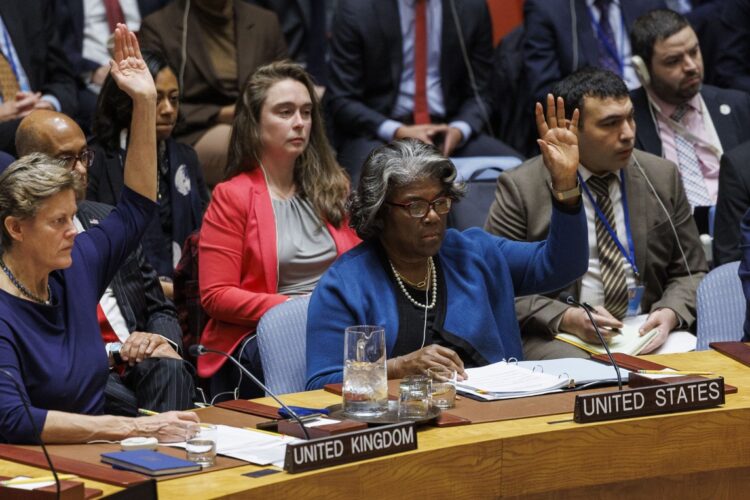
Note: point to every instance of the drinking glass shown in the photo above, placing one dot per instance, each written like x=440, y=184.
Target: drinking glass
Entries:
x=414, y=397
x=201, y=448
x=442, y=386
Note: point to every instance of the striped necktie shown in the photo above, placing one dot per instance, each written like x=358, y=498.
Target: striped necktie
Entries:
x=610, y=258
x=607, y=60
x=8, y=81
x=690, y=169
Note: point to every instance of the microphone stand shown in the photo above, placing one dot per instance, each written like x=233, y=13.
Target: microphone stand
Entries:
x=587, y=308
x=34, y=428
x=200, y=350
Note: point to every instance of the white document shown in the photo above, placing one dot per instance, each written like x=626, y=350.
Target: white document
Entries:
x=252, y=446
x=628, y=341
x=507, y=380
x=581, y=371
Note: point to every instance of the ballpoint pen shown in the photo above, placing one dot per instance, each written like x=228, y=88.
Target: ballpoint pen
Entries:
x=672, y=372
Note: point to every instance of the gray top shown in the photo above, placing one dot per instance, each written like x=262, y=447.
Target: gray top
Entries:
x=305, y=247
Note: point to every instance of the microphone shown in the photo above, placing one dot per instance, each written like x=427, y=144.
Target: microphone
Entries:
x=569, y=299
x=34, y=428
x=199, y=350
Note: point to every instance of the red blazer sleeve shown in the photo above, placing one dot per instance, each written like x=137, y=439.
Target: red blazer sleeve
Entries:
x=232, y=273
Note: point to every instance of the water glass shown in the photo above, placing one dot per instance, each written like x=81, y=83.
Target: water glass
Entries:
x=365, y=389
x=201, y=448
x=414, y=397
x=442, y=387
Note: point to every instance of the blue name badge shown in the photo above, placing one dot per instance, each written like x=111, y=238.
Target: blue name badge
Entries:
x=635, y=295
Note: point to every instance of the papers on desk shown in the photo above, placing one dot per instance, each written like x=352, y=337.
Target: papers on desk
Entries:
x=629, y=341
x=508, y=380
x=580, y=371
x=252, y=446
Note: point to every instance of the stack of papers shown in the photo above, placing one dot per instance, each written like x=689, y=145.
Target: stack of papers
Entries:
x=628, y=341
x=252, y=446
x=508, y=380
x=580, y=371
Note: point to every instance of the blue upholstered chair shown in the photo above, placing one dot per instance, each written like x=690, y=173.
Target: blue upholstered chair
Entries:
x=721, y=306
x=282, y=340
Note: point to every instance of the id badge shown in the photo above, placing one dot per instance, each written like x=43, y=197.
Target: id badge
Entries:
x=635, y=295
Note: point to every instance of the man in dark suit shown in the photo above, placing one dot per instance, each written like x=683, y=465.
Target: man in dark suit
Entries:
x=34, y=72
x=227, y=40
x=629, y=187
x=380, y=89
x=133, y=309
x=733, y=202
x=678, y=117
x=560, y=40
x=85, y=28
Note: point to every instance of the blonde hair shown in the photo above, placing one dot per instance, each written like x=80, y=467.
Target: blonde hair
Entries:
x=27, y=183
x=317, y=175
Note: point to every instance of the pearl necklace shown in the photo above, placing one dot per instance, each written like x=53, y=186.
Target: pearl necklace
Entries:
x=400, y=282
x=25, y=291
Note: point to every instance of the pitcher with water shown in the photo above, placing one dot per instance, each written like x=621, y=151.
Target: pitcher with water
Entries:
x=365, y=389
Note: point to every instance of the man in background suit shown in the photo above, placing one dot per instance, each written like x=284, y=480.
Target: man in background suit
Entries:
x=227, y=40
x=380, y=89
x=678, y=117
x=560, y=40
x=85, y=28
x=732, y=69
x=650, y=252
x=133, y=309
x=34, y=72
x=733, y=202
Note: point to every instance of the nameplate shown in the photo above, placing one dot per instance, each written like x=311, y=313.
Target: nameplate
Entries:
x=350, y=447
x=652, y=400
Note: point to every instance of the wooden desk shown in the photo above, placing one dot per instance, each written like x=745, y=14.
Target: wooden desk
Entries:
x=703, y=454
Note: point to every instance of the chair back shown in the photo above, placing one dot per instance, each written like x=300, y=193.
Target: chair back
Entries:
x=721, y=306
x=282, y=340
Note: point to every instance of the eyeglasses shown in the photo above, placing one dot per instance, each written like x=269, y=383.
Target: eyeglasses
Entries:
x=86, y=158
x=420, y=208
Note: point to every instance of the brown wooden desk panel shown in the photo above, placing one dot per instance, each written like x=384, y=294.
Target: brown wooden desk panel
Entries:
x=703, y=454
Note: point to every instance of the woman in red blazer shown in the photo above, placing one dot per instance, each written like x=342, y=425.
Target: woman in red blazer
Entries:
x=274, y=225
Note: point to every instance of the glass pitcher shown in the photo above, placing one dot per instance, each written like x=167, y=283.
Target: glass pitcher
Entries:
x=365, y=390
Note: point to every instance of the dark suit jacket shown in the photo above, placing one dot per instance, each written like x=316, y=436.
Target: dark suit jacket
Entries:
x=548, y=48
x=259, y=41
x=136, y=286
x=521, y=211
x=70, y=20
x=732, y=68
x=294, y=17
x=733, y=202
x=365, y=65
x=32, y=29
x=732, y=129
x=105, y=183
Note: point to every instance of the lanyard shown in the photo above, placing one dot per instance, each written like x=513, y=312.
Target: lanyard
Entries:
x=618, y=57
x=630, y=256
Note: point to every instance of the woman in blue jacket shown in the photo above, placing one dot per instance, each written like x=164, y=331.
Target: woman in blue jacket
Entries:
x=443, y=297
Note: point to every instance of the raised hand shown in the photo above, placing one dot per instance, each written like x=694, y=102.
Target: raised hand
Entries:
x=558, y=140
x=128, y=68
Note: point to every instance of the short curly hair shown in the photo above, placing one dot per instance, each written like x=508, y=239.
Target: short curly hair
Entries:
x=392, y=165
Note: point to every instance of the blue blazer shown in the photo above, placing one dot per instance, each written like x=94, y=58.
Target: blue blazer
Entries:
x=483, y=274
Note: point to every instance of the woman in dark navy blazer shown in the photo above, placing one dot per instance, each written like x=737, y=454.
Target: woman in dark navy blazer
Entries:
x=183, y=194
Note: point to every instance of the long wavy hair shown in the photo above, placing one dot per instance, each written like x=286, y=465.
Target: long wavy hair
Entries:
x=317, y=175
x=114, y=108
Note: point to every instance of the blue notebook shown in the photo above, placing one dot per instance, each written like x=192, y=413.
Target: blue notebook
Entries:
x=149, y=462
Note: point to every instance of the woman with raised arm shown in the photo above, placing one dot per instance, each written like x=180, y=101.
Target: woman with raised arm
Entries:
x=274, y=225
x=445, y=298
x=51, y=353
